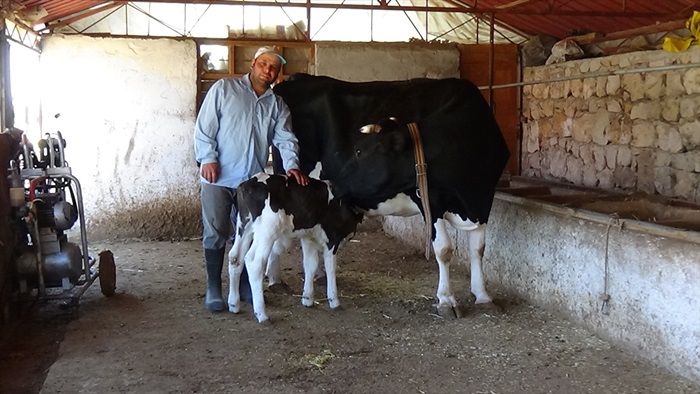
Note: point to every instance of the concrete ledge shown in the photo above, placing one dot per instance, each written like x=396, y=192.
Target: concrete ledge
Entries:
x=568, y=260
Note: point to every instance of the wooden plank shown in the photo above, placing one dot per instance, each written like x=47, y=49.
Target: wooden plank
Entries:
x=474, y=65
x=657, y=28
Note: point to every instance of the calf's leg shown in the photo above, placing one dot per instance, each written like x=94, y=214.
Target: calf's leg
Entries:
x=274, y=278
x=255, y=264
x=236, y=257
x=310, y=260
x=235, y=268
x=330, y=263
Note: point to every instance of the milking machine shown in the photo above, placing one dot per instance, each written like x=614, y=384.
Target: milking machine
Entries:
x=47, y=201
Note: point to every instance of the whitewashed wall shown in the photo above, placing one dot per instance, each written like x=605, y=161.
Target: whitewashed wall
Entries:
x=127, y=112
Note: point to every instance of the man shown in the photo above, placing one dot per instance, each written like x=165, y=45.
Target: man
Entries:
x=239, y=119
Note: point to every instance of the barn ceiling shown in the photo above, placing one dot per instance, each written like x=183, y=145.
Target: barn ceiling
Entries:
x=558, y=18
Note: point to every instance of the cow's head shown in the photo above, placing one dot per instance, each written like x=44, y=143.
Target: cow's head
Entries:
x=389, y=138
x=381, y=164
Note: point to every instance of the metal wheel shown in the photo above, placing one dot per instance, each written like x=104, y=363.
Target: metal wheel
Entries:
x=107, y=273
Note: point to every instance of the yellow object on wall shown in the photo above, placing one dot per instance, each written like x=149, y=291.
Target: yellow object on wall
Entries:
x=672, y=44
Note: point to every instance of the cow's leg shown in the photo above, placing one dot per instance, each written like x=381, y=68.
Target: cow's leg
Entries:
x=330, y=263
x=310, y=256
x=477, y=241
x=442, y=245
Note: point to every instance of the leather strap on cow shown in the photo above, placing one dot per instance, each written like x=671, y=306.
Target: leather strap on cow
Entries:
x=422, y=183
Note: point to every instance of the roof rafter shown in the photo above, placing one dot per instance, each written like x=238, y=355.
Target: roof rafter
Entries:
x=388, y=6
x=93, y=11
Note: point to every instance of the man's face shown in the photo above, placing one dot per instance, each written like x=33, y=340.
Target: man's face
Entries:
x=266, y=68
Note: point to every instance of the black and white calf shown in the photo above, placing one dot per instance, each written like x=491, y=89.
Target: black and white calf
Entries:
x=272, y=209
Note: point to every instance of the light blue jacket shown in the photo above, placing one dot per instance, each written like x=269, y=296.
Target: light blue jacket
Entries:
x=236, y=128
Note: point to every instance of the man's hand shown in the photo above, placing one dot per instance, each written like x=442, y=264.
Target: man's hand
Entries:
x=211, y=171
x=300, y=178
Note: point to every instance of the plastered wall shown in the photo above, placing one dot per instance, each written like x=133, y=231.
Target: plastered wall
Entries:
x=127, y=110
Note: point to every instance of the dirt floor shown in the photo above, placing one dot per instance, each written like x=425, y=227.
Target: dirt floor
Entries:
x=155, y=336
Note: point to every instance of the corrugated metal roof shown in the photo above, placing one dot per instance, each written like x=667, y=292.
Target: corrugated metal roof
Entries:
x=561, y=18
x=46, y=11
x=558, y=18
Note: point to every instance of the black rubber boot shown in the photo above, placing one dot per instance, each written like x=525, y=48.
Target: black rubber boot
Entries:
x=214, y=260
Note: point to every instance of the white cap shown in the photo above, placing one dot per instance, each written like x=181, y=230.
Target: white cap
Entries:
x=271, y=50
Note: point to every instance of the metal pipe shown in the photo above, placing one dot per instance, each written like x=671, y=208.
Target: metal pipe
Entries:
x=61, y=154
x=596, y=75
x=85, y=286
x=28, y=161
x=37, y=246
x=476, y=9
x=49, y=146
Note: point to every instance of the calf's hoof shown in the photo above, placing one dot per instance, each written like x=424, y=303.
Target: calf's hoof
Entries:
x=234, y=308
x=334, y=303
x=307, y=302
x=264, y=320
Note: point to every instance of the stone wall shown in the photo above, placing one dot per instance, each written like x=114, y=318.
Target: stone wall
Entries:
x=625, y=132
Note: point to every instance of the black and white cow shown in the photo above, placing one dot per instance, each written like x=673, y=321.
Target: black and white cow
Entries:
x=271, y=210
x=464, y=150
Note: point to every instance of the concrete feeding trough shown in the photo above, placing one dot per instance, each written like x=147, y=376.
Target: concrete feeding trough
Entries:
x=625, y=266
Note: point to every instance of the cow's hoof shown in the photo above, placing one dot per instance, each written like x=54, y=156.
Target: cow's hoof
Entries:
x=448, y=311
x=233, y=308
x=336, y=308
x=280, y=288
x=265, y=322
